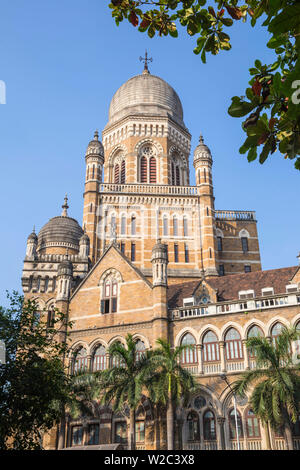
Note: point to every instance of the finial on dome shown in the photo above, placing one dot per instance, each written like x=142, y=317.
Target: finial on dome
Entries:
x=33, y=230
x=96, y=135
x=201, y=140
x=65, y=207
x=146, y=60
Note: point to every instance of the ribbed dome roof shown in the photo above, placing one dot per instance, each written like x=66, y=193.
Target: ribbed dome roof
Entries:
x=95, y=147
x=60, y=231
x=202, y=152
x=146, y=94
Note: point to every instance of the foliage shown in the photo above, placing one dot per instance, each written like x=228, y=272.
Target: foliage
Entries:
x=275, y=398
x=167, y=376
x=86, y=388
x=33, y=382
x=272, y=100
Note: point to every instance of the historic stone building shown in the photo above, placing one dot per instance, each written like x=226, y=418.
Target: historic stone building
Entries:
x=155, y=258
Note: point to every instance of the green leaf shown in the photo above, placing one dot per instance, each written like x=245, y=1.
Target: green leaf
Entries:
x=286, y=21
x=252, y=154
x=240, y=108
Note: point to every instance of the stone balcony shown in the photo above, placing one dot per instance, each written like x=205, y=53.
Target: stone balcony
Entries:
x=154, y=189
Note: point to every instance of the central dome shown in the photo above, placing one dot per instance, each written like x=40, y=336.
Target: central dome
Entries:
x=148, y=95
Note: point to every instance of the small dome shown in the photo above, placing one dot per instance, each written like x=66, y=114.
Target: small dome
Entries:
x=84, y=240
x=32, y=237
x=159, y=251
x=202, y=152
x=95, y=147
x=60, y=231
x=65, y=267
x=145, y=94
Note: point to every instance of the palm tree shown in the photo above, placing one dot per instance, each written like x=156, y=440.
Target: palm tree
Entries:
x=275, y=398
x=168, y=382
x=123, y=384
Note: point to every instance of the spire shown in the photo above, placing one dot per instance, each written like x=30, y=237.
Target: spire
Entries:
x=65, y=207
x=201, y=140
x=146, y=60
x=96, y=135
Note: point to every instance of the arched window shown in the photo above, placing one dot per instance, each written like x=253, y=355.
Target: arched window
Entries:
x=123, y=172
x=232, y=425
x=233, y=344
x=177, y=176
x=254, y=332
x=80, y=360
x=117, y=173
x=189, y=355
x=51, y=317
x=185, y=227
x=99, y=358
x=175, y=226
x=193, y=429
x=211, y=351
x=144, y=175
x=140, y=349
x=276, y=330
x=120, y=432
x=252, y=424
x=109, y=296
x=209, y=426
x=152, y=164
x=116, y=361
x=133, y=225
x=173, y=173
x=123, y=225
x=165, y=226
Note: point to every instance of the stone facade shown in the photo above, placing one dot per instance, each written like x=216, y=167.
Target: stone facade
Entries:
x=156, y=259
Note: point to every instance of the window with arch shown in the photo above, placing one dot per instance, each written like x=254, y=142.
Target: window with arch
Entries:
x=193, y=428
x=252, y=424
x=254, y=332
x=152, y=167
x=148, y=173
x=99, y=358
x=123, y=225
x=189, y=354
x=175, y=226
x=120, y=432
x=211, y=352
x=296, y=344
x=233, y=345
x=140, y=349
x=244, y=241
x=275, y=331
x=232, y=424
x=123, y=172
x=144, y=172
x=51, y=317
x=165, y=226
x=109, y=296
x=116, y=361
x=80, y=360
x=185, y=227
x=133, y=225
x=209, y=426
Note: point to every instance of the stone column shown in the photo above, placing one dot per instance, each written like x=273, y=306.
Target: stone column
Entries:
x=221, y=434
x=246, y=355
x=89, y=363
x=200, y=359
x=222, y=356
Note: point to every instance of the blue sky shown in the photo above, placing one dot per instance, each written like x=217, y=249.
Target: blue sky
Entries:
x=62, y=61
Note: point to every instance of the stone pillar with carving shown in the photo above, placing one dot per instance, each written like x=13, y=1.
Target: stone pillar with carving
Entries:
x=200, y=359
x=222, y=356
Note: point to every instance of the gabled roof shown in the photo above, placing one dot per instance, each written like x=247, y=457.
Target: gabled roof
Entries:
x=228, y=286
x=116, y=248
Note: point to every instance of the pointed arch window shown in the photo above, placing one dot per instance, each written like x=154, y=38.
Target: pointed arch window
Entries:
x=189, y=355
x=233, y=344
x=173, y=173
x=193, y=426
x=123, y=172
x=144, y=175
x=232, y=425
x=254, y=332
x=177, y=176
x=276, y=330
x=140, y=349
x=185, y=227
x=123, y=225
x=165, y=226
x=209, y=426
x=133, y=225
x=252, y=424
x=152, y=164
x=211, y=351
x=99, y=358
x=117, y=173
x=80, y=360
x=110, y=297
x=175, y=226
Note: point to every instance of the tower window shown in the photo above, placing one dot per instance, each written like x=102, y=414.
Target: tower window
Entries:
x=175, y=226
x=117, y=173
x=221, y=270
x=165, y=226
x=123, y=225
x=220, y=243
x=244, y=241
x=247, y=268
x=123, y=172
x=176, y=253
x=133, y=225
x=185, y=227
x=132, y=251
x=177, y=176
x=186, y=253
x=173, y=173
x=143, y=170
x=152, y=163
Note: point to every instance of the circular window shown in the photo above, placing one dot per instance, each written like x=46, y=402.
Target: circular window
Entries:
x=199, y=402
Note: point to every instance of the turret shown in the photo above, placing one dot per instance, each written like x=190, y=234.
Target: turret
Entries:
x=159, y=262
x=64, y=280
x=32, y=242
x=94, y=159
x=84, y=246
x=203, y=167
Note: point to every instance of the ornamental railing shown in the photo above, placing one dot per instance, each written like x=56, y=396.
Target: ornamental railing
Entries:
x=149, y=189
x=235, y=215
